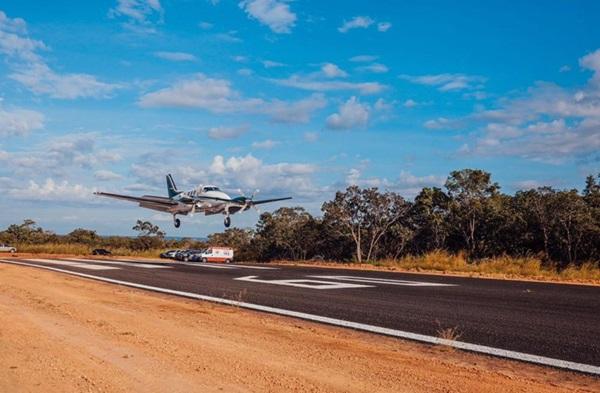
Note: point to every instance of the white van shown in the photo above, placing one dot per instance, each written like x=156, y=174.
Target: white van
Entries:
x=217, y=254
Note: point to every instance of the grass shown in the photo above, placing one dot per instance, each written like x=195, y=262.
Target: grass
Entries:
x=512, y=267
x=82, y=249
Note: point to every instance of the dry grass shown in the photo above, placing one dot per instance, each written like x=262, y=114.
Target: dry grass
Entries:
x=505, y=266
x=82, y=249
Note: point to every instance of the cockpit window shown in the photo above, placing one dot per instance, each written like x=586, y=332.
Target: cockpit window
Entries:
x=211, y=189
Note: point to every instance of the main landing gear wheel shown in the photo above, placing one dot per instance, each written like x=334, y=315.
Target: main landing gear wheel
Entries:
x=177, y=222
x=227, y=222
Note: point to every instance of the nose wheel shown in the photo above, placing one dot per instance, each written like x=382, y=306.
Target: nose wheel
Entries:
x=227, y=222
x=177, y=222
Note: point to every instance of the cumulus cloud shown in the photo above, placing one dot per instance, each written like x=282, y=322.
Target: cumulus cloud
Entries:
x=272, y=64
x=175, y=56
x=351, y=114
x=31, y=70
x=358, y=22
x=406, y=184
x=40, y=79
x=447, y=82
x=331, y=70
x=222, y=132
x=51, y=190
x=218, y=96
x=19, y=121
x=546, y=123
x=273, y=13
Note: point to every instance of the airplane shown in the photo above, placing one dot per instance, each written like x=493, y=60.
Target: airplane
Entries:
x=208, y=199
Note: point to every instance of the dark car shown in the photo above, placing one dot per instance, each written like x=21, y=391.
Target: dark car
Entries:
x=187, y=255
x=100, y=251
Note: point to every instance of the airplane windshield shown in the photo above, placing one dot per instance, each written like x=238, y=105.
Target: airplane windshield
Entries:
x=211, y=189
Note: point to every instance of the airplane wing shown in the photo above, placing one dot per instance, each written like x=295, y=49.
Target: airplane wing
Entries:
x=147, y=201
x=270, y=200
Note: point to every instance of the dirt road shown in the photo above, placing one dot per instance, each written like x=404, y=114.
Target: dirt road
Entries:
x=66, y=334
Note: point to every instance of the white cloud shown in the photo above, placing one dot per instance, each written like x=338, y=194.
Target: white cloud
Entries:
x=106, y=175
x=331, y=70
x=14, y=41
x=406, y=184
x=273, y=13
x=309, y=83
x=245, y=72
x=358, y=22
x=175, y=56
x=141, y=15
x=363, y=59
x=384, y=26
x=230, y=37
x=376, y=68
x=295, y=112
x=351, y=114
x=40, y=79
x=219, y=133
x=205, y=25
x=19, y=121
x=410, y=103
x=591, y=61
x=248, y=172
x=272, y=64
x=50, y=190
x=266, y=144
x=217, y=96
x=447, y=82
x=436, y=124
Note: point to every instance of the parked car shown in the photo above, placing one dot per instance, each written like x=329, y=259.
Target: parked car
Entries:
x=169, y=254
x=187, y=255
x=7, y=248
x=101, y=251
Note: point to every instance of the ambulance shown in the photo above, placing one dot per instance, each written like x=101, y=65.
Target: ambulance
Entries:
x=216, y=254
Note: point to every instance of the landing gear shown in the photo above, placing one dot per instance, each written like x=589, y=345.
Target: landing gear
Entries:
x=227, y=222
x=176, y=222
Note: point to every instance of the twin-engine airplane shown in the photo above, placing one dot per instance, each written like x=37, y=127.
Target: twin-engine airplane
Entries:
x=208, y=199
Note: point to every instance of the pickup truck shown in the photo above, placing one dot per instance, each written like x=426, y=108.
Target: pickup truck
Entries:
x=7, y=248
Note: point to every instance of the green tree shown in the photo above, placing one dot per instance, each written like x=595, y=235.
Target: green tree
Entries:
x=149, y=235
x=83, y=236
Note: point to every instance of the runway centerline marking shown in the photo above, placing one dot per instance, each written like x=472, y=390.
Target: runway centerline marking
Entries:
x=88, y=266
x=304, y=283
x=499, y=352
x=386, y=281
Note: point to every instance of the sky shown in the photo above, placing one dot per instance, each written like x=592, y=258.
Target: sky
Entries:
x=291, y=98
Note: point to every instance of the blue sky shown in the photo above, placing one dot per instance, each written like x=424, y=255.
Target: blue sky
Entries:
x=295, y=98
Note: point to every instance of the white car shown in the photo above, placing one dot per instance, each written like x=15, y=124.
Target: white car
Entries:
x=7, y=248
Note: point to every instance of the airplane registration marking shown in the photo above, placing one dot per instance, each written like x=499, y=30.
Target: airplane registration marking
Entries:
x=386, y=281
x=76, y=264
x=304, y=283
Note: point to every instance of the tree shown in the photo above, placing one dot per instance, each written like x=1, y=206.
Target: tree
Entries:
x=83, y=236
x=430, y=216
x=365, y=215
x=469, y=190
x=149, y=236
x=286, y=233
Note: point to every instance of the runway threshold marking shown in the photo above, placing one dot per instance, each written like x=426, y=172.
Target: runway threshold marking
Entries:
x=304, y=283
x=386, y=281
x=88, y=266
x=499, y=352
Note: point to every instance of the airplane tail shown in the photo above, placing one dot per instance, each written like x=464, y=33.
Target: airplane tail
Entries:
x=171, y=187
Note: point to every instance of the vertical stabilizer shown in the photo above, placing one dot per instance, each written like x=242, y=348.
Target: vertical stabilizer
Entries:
x=171, y=187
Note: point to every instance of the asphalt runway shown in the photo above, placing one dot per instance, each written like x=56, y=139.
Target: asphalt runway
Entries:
x=550, y=324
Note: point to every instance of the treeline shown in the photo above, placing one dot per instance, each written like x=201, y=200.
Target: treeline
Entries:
x=469, y=215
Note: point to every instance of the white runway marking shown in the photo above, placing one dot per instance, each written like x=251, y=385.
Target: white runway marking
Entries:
x=142, y=265
x=256, y=267
x=386, y=281
x=303, y=283
x=76, y=264
x=542, y=360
